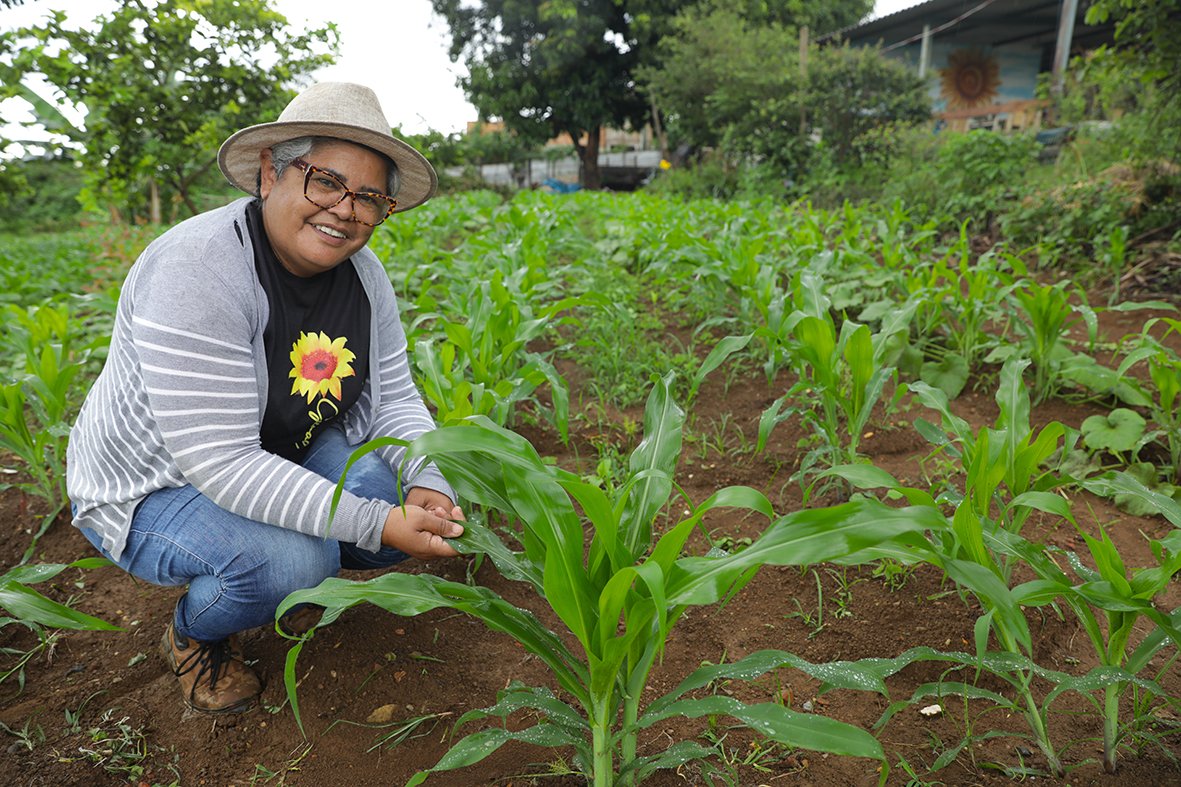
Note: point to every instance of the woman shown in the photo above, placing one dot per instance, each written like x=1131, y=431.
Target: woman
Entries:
x=247, y=361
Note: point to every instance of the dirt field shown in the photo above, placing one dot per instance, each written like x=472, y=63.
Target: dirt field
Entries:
x=102, y=708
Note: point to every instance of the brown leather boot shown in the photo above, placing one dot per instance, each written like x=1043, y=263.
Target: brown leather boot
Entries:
x=213, y=676
x=300, y=620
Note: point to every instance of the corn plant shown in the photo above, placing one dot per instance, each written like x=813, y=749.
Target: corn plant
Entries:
x=841, y=377
x=26, y=607
x=39, y=398
x=1004, y=481
x=1161, y=393
x=982, y=553
x=484, y=366
x=1109, y=593
x=617, y=598
x=1045, y=318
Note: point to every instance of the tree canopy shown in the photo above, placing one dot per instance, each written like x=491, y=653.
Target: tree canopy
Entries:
x=161, y=83
x=570, y=65
x=727, y=82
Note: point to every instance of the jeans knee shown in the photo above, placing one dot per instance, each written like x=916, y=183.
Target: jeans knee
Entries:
x=303, y=562
x=371, y=477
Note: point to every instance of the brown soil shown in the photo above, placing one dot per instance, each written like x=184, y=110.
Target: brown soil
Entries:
x=91, y=686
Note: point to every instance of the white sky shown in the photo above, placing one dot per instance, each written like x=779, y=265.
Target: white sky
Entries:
x=419, y=91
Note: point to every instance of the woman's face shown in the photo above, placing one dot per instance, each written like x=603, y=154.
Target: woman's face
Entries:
x=309, y=239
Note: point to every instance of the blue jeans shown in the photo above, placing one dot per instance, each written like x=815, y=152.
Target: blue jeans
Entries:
x=237, y=569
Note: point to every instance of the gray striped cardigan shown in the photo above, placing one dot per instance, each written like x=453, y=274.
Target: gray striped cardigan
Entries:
x=181, y=396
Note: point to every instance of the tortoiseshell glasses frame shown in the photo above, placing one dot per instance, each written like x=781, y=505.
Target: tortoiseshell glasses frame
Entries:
x=325, y=190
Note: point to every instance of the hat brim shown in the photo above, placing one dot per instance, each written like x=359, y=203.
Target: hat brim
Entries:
x=239, y=162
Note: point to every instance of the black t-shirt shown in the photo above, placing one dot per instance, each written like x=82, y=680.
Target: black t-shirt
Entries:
x=317, y=345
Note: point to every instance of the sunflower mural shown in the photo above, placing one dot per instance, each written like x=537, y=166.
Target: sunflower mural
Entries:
x=970, y=80
x=318, y=365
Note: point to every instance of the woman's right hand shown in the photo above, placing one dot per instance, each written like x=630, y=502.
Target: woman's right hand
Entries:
x=419, y=533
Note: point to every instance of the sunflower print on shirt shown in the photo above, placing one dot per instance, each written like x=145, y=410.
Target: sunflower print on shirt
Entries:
x=319, y=364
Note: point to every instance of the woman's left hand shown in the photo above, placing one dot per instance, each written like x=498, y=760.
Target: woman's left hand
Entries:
x=435, y=502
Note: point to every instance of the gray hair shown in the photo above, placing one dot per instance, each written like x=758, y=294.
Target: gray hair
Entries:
x=283, y=153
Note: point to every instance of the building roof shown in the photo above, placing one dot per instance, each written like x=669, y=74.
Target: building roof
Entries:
x=990, y=22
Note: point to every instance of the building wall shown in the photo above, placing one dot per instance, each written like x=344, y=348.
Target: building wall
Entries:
x=1017, y=68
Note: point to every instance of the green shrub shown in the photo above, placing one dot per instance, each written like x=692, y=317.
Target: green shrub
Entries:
x=968, y=176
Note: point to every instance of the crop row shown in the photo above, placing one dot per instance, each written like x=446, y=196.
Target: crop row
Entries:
x=859, y=310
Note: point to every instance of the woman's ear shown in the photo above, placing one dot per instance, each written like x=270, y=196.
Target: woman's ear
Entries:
x=266, y=172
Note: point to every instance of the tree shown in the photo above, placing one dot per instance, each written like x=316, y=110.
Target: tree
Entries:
x=734, y=85
x=570, y=65
x=715, y=67
x=161, y=83
x=1148, y=50
x=548, y=68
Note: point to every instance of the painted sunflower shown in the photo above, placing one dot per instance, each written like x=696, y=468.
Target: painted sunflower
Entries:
x=970, y=80
x=319, y=364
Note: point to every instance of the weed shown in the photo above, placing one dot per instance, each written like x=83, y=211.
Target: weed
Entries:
x=29, y=735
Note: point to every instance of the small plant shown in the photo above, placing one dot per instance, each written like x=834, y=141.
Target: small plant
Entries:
x=39, y=395
x=122, y=749
x=814, y=621
x=841, y=379
x=30, y=735
x=1161, y=393
x=1048, y=316
x=39, y=614
x=618, y=599
x=894, y=574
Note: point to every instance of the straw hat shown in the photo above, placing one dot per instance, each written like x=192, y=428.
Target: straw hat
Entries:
x=339, y=110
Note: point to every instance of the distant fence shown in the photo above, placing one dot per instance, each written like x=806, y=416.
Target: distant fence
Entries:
x=625, y=170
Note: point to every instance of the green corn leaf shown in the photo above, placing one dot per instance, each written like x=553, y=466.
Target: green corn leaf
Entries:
x=995, y=595
x=1113, y=483
x=858, y=353
x=413, y=594
x=802, y=730
x=546, y=509
x=291, y=683
x=1047, y=502
x=817, y=345
x=27, y=605
x=936, y=400
x=717, y=356
x=1152, y=644
x=669, y=547
x=1039, y=592
x=1101, y=677
x=478, y=538
x=674, y=756
x=518, y=697
x=865, y=675
x=803, y=538
x=771, y=418
x=31, y=574
x=658, y=451
x=598, y=510
x=475, y=747
x=1002, y=542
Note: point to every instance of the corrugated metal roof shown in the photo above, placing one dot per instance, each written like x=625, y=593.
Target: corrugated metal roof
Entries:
x=915, y=12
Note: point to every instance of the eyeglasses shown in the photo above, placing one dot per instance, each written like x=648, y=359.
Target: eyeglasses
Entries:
x=325, y=190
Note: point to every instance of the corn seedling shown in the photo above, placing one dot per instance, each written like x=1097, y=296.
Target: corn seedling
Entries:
x=1161, y=393
x=1046, y=316
x=26, y=607
x=619, y=598
x=841, y=378
x=39, y=396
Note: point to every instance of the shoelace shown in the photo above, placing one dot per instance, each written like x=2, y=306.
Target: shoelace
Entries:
x=212, y=658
